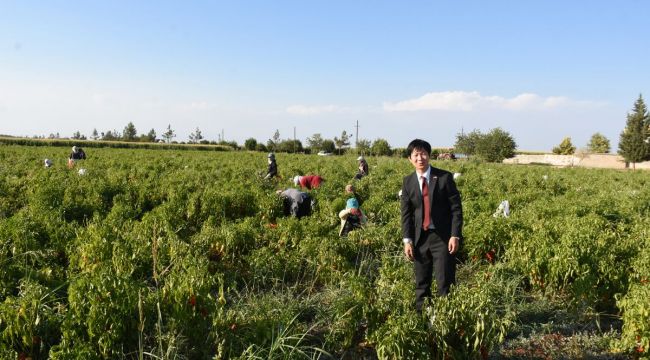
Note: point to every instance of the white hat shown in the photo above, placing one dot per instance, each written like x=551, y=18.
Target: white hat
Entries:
x=360, y=158
x=296, y=179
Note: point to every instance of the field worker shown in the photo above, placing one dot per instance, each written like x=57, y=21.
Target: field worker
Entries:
x=308, y=182
x=295, y=202
x=351, y=192
x=432, y=221
x=77, y=154
x=48, y=163
x=363, y=168
x=273, y=167
x=351, y=217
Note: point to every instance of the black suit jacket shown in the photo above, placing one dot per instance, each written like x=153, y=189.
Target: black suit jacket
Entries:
x=446, y=208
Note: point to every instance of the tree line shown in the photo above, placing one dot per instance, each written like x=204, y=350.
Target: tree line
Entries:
x=318, y=144
x=492, y=146
x=497, y=144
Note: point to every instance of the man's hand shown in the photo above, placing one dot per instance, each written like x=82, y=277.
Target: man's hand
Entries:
x=454, y=244
x=408, y=251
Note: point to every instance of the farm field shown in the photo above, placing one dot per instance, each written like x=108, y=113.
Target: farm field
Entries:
x=183, y=254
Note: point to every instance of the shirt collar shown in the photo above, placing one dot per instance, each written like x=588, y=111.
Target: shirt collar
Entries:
x=426, y=174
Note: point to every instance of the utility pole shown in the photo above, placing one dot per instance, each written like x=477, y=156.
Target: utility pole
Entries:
x=356, y=136
x=294, y=139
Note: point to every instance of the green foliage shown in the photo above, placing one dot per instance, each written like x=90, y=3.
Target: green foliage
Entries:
x=113, y=143
x=169, y=134
x=30, y=322
x=250, y=144
x=565, y=148
x=475, y=317
x=328, y=146
x=129, y=133
x=635, y=303
x=196, y=136
x=315, y=142
x=494, y=146
x=598, y=144
x=363, y=146
x=343, y=141
x=633, y=144
x=466, y=143
x=380, y=147
x=289, y=146
x=184, y=254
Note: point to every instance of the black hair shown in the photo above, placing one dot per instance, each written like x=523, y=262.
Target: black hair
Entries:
x=418, y=144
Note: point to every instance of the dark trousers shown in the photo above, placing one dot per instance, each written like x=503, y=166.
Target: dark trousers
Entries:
x=431, y=251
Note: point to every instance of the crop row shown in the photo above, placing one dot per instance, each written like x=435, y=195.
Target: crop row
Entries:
x=186, y=254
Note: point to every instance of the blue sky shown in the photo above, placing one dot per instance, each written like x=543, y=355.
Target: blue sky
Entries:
x=541, y=70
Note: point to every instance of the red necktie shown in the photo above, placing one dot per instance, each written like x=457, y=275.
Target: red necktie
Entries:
x=426, y=221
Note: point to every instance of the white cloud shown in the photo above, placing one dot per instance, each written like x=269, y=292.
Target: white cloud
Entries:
x=473, y=100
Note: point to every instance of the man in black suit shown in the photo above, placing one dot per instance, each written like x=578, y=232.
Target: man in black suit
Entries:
x=432, y=222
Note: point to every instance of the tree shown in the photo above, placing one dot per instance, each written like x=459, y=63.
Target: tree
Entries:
x=169, y=134
x=328, y=146
x=381, y=147
x=274, y=141
x=496, y=146
x=565, y=148
x=289, y=146
x=633, y=144
x=343, y=141
x=363, y=146
x=232, y=143
x=466, y=143
x=196, y=136
x=94, y=135
x=598, y=144
x=129, y=133
x=315, y=143
x=261, y=147
x=250, y=144
x=150, y=137
x=111, y=135
x=77, y=136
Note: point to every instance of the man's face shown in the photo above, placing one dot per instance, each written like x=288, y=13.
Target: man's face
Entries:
x=420, y=159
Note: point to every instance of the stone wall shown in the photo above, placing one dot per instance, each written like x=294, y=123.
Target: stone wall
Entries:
x=609, y=161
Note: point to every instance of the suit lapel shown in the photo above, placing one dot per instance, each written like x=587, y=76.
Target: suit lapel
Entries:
x=433, y=181
x=432, y=185
x=415, y=182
